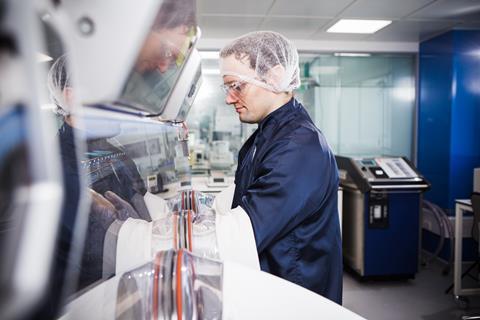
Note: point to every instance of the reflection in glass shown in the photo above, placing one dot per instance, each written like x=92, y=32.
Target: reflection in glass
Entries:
x=15, y=176
x=177, y=284
x=119, y=167
x=188, y=230
x=121, y=156
x=215, y=132
x=162, y=57
x=118, y=156
x=190, y=224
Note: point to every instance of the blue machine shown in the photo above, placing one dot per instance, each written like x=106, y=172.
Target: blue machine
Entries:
x=381, y=215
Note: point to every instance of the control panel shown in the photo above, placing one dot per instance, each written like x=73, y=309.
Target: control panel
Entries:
x=385, y=168
x=379, y=173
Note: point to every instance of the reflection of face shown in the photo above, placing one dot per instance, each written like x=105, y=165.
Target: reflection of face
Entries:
x=161, y=49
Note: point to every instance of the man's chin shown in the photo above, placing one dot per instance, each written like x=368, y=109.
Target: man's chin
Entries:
x=245, y=120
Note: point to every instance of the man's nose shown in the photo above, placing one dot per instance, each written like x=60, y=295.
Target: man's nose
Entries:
x=230, y=98
x=163, y=66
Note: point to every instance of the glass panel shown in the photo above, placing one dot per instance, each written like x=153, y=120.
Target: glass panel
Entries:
x=15, y=176
x=215, y=132
x=128, y=166
x=364, y=105
x=115, y=167
x=176, y=284
x=122, y=155
x=162, y=57
x=57, y=105
x=190, y=224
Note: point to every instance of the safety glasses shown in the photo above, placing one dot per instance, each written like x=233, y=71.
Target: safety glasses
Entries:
x=235, y=88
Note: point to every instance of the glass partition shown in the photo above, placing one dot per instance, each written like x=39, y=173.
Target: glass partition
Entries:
x=216, y=134
x=364, y=105
x=117, y=167
x=122, y=155
x=15, y=178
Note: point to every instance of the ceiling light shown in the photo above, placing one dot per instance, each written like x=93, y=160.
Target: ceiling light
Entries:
x=323, y=70
x=209, y=55
x=351, y=54
x=43, y=57
x=406, y=94
x=48, y=106
x=358, y=26
x=208, y=71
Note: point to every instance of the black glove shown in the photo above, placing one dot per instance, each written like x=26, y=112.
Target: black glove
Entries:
x=101, y=206
x=123, y=208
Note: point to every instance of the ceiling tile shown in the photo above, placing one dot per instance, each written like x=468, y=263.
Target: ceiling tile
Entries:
x=411, y=30
x=298, y=28
x=309, y=19
x=254, y=7
x=383, y=9
x=314, y=8
x=227, y=27
x=460, y=10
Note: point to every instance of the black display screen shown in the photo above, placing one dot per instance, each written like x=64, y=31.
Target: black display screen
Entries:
x=368, y=162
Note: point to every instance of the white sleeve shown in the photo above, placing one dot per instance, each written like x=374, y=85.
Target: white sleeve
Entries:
x=235, y=238
x=133, y=245
x=223, y=201
x=156, y=205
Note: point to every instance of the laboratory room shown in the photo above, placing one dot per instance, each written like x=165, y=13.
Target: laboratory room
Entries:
x=255, y=159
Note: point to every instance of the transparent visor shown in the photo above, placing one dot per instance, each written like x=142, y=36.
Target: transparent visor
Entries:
x=175, y=285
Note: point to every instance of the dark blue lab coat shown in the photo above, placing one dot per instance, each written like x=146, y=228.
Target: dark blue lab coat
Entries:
x=287, y=182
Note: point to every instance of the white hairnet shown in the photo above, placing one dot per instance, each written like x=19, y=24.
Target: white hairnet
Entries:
x=58, y=80
x=264, y=58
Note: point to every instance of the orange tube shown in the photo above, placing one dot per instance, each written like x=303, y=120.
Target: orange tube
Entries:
x=175, y=231
x=179, y=285
x=156, y=285
x=189, y=219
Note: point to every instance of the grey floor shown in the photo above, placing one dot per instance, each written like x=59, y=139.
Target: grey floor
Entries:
x=420, y=298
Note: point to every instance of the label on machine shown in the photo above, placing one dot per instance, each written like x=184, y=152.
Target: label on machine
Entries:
x=378, y=210
x=396, y=168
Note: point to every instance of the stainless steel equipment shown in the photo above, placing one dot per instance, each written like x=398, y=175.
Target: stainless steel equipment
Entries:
x=381, y=207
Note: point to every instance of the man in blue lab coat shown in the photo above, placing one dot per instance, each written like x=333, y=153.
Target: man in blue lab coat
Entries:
x=287, y=178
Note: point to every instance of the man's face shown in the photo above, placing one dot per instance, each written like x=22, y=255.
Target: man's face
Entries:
x=161, y=49
x=252, y=103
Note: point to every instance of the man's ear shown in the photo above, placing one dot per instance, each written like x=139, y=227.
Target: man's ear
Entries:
x=276, y=75
x=182, y=29
x=68, y=96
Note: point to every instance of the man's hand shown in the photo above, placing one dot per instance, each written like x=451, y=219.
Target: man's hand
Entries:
x=102, y=206
x=123, y=208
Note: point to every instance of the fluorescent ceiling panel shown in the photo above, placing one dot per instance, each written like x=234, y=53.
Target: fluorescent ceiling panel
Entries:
x=43, y=57
x=351, y=54
x=358, y=26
